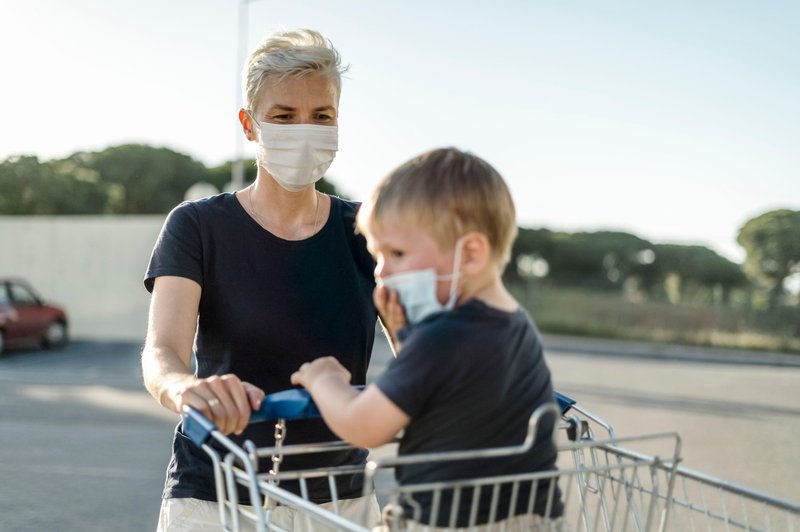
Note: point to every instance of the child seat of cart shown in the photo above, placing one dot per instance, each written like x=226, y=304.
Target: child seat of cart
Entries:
x=470, y=500
x=608, y=485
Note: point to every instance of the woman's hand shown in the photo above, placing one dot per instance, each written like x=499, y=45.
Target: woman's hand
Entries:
x=321, y=367
x=166, y=360
x=225, y=400
x=393, y=317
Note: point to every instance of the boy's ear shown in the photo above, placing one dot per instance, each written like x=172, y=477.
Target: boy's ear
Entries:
x=475, y=253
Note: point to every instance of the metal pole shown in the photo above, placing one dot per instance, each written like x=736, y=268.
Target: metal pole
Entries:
x=237, y=167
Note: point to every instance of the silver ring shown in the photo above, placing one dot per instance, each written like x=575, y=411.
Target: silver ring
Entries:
x=213, y=402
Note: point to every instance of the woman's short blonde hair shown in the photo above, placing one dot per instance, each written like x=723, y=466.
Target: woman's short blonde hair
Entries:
x=447, y=193
x=289, y=53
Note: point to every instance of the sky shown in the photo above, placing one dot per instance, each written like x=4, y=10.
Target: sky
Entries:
x=675, y=121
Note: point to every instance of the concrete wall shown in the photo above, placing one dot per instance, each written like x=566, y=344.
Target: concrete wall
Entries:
x=92, y=265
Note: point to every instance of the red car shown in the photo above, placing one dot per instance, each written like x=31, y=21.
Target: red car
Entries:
x=26, y=319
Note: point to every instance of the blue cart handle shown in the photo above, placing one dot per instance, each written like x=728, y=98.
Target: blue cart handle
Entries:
x=292, y=404
x=564, y=402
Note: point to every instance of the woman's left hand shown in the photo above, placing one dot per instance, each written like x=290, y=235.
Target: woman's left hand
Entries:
x=321, y=367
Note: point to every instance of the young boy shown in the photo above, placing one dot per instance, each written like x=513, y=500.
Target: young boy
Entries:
x=470, y=370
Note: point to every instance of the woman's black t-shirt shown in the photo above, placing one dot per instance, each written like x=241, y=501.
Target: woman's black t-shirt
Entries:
x=267, y=306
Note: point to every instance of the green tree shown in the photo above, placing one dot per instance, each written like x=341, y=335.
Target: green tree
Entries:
x=602, y=259
x=28, y=186
x=697, y=266
x=537, y=242
x=606, y=259
x=144, y=179
x=127, y=179
x=220, y=176
x=19, y=182
x=772, y=244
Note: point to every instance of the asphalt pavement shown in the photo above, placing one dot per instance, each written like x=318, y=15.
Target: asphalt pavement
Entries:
x=657, y=351
x=83, y=447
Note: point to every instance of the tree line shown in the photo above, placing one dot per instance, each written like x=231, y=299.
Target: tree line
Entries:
x=142, y=179
x=609, y=260
x=126, y=179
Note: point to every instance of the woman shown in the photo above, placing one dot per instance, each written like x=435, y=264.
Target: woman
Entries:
x=261, y=280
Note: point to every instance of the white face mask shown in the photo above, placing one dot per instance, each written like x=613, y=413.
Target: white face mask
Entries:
x=296, y=155
x=417, y=289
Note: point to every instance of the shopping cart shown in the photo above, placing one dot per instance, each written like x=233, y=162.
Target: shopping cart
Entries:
x=699, y=501
x=605, y=484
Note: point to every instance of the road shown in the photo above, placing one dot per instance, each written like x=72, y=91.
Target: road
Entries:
x=82, y=445
x=84, y=448
x=740, y=422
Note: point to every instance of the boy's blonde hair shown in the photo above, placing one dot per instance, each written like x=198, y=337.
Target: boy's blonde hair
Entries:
x=448, y=193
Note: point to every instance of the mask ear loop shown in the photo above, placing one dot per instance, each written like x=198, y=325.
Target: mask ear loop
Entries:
x=255, y=125
x=455, y=275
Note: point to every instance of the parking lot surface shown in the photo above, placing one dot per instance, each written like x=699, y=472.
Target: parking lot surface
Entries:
x=83, y=447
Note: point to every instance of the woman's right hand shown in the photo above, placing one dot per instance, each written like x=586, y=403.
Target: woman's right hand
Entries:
x=166, y=361
x=225, y=400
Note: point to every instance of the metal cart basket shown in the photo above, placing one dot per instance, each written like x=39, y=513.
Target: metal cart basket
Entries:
x=607, y=484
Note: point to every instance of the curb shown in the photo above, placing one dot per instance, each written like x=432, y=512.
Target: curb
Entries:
x=649, y=350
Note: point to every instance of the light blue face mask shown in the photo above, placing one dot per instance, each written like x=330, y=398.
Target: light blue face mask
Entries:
x=417, y=289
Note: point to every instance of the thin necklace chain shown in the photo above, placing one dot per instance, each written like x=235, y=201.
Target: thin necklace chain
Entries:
x=262, y=224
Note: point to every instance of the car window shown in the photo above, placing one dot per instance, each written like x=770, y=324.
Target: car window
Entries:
x=20, y=294
x=4, y=300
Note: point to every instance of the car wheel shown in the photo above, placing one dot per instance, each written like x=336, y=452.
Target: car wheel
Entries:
x=56, y=335
x=2, y=343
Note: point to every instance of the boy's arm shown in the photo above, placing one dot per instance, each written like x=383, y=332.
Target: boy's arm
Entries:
x=366, y=419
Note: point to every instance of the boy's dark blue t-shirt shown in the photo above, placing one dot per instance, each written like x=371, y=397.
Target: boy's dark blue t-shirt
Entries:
x=267, y=306
x=470, y=378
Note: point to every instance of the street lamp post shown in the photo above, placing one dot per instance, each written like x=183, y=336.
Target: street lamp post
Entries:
x=237, y=167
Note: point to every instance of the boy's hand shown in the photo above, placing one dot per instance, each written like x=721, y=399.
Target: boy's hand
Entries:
x=366, y=419
x=324, y=366
x=387, y=303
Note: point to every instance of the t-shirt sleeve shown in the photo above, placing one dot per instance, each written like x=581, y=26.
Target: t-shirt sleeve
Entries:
x=420, y=370
x=178, y=250
x=358, y=244
x=365, y=261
